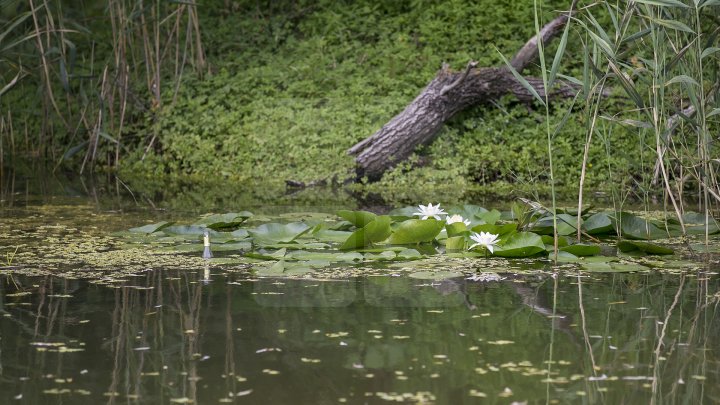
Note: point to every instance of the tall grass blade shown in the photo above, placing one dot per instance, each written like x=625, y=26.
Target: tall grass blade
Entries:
x=521, y=79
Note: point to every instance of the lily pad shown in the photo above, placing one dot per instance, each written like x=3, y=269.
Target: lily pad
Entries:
x=634, y=227
x=456, y=243
x=549, y=241
x=488, y=217
x=456, y=228
x=567, y=257
x=227, y=221
x=191, y=230
x=646, y=247
x=386, y=255
x=401, y=214
x=375, y=231
x=521, y=244
x=612, y=267
x=357, y=218
x=582, y=249
x=416, y=231
x=274, y=232
x=151, y=228
x=409, y=254
x=502, y=230
x=599, y=223
x=566, y=225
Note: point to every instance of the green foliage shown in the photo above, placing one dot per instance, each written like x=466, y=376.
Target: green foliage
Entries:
x=290, y=95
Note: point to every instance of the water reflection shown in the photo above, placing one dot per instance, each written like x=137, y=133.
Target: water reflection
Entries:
x=212, y=335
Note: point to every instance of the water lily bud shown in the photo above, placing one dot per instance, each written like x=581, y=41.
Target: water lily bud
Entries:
x=207, y=254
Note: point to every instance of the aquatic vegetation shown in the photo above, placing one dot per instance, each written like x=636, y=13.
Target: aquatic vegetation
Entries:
x=10, y=256
x=357, y=242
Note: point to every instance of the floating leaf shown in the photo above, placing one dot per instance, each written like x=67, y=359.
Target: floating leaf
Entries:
x=386, y=255
x=262, y=254
x=401, y=214
x=416, y=231
x=151, y=228
x=521, y=244
x=357, y=218
x=328, y=235
x=274, y=232
x=455, y=243
x=567, y=257
x=582, y=249
x=227, y=221
x=409, y=254
x=375, y=231
x=549, y=241
x=456, y=228
x=634, y=227
x=566, y=225
x=276, y=269
x=501, y=230
x=610, y=267
x=646, y=247
x=598, y=223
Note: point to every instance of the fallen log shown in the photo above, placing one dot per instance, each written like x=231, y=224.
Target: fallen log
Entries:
x=447, y=94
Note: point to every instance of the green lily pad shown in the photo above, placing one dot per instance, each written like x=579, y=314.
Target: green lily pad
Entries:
x=521, y=244
x=401, y=214
x=329, y=235
x=191, y=230
x=386, y=255
x=504, y=231
x=239, y=234
x=456, y=228
x=567, y=257
x=646, y=247
x=265, y=255
x=416, y=231
x=456, y=243
x=409, y=254
x=227, y=221
x=695, y=224
x=467, y=211
x=634, y=227
x=565, y=225
x=224, y=247
x=274, y=232
x=276, y=269
x=599, y=223
x=612, y=267
x=582, y=249
x=357, y=218
x=549, y=241
x=375, y=231
x=151, y=228
x=488, y=217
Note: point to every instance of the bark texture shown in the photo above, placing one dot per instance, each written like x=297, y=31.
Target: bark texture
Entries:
x=447, y=94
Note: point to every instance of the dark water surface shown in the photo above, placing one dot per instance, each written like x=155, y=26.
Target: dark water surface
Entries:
x=167, y=336
x=161, y=333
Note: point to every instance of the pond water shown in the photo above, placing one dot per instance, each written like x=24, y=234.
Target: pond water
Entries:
x=82, y=323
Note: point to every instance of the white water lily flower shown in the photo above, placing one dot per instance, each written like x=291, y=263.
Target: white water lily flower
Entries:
x=451, y=219
x=485, y=239
x=430, y=211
